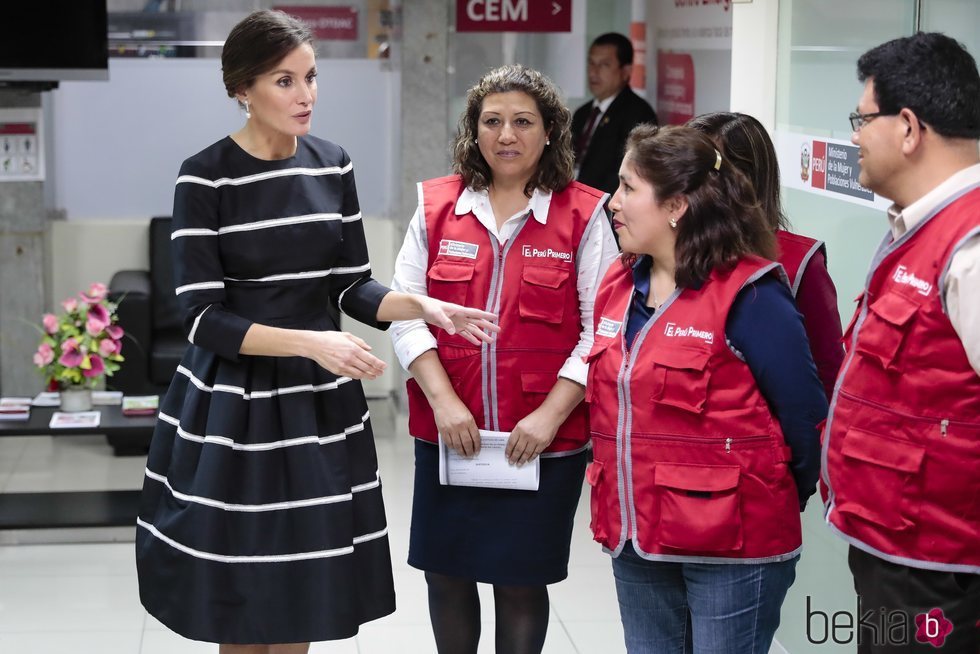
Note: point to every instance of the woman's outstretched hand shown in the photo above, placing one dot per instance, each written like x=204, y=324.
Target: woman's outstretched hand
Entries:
x=345, y=354
x=472, y=324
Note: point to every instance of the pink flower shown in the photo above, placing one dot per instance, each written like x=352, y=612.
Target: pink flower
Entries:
x=100, y=312
x=70, y=304
x=50, y=322
x=94, y=326
x=108, y=347
x=44, y=355
x=71, y=358
x=96, y=366
x=70, y=345
x=115, y=332
x=96, y=293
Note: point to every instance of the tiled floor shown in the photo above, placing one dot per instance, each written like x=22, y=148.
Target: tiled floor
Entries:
x=82, y=597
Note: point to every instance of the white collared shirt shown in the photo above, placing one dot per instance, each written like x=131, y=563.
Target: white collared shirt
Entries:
x=963, y=279
x=412, y=337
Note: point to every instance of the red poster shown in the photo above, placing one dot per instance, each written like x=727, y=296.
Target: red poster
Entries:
x=513, y=15
x=675, y=87
x=819, y=165
x=327, y=23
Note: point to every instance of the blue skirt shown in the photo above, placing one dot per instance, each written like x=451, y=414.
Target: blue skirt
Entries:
x=495, y=536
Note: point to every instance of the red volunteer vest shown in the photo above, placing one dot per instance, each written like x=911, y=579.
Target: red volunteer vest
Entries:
x=902, y=443
x=689, y=462
x=531, y=283
x=795, y=252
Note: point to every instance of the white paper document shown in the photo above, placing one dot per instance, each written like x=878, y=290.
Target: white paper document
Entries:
x=83, y=419
x=489, y=468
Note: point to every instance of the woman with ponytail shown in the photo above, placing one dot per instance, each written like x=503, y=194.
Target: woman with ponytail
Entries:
x=703, y=405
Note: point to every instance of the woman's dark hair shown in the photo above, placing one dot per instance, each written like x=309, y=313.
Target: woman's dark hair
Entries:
x=931, y=74
x=256, y=44
x=723, y=222
x=745, y=142
x=555, y=169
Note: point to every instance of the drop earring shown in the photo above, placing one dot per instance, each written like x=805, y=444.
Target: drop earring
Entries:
x=673, y=223
x=548, y=142
x=248, y=114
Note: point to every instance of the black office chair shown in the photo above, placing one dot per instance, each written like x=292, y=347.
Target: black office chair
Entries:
x=155, y=341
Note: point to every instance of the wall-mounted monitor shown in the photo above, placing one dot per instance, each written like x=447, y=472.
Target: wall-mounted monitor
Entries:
x=53, y=41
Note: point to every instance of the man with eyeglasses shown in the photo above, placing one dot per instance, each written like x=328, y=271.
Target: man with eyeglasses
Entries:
x=902, y=441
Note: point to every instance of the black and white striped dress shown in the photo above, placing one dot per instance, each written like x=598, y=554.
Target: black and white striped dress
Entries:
x=261, y=518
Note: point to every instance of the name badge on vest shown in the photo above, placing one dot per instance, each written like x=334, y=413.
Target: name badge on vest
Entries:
x=607, y=327
x=458, y=249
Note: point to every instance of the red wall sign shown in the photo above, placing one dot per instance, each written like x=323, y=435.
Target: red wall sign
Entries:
x=513, y=15
x=675, y=87
x=327, y=23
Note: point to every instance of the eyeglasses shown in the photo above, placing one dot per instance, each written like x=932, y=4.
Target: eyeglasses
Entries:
x=860, y=120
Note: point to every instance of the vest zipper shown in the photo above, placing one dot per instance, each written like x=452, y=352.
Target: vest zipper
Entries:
x=627, y=444
x=944, y=423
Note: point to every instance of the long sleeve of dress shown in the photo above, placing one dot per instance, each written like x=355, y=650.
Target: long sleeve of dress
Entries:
x=817, y=301
x=198, y=273
x=351, y=286
x=766, y=328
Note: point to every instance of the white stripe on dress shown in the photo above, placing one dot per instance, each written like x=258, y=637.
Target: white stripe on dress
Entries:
x=261, y=395
x=264, y=447
x=199, y=286
x=278, y=222
x=311, y=274
x=248, y=179
x=271, y=506
x=261, y=558
x=192, y=231
x=197, y=321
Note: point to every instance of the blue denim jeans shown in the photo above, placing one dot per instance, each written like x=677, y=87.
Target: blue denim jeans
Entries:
x=699, y=608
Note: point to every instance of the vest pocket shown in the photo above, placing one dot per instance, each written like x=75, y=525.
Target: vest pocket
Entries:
x=699, y=507
x=876, y=479
x=886, y=326
x=542, y=294
x=679, y=378
x=599, y=346
x=536, y=386
x=450, y=280
x=604, y=499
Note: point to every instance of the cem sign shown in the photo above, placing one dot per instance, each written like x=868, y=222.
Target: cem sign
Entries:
x=513, y=15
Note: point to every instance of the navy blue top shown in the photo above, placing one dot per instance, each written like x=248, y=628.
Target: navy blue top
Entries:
x=765, y=327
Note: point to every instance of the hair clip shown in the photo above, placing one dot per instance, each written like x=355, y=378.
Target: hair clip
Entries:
x=717, y=160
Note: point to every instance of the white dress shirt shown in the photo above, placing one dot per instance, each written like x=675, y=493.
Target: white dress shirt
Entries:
x=963, y=279
x=412, y=337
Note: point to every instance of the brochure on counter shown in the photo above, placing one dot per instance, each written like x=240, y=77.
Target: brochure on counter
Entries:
x=140, y=405
x=74, y=420
x=488, y=469
x=15, y=408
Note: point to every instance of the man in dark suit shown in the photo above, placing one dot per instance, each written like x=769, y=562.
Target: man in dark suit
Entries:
x=600, y=127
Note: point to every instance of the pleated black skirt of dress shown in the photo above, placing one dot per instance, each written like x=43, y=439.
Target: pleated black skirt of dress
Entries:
x=247, y=569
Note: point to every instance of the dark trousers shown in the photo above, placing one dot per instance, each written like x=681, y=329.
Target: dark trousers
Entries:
x=890, y=594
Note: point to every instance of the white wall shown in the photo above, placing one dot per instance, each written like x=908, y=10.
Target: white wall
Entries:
x=114, y=148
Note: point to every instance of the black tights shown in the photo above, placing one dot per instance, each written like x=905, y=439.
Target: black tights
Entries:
x=454, y=608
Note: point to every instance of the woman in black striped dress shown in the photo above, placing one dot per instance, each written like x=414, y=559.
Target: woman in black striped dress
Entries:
x=262, y=520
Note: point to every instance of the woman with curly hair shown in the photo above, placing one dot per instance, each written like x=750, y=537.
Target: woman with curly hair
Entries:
x=510, y=231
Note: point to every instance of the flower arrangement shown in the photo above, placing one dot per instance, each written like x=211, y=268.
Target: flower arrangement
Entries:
x=81, y=345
